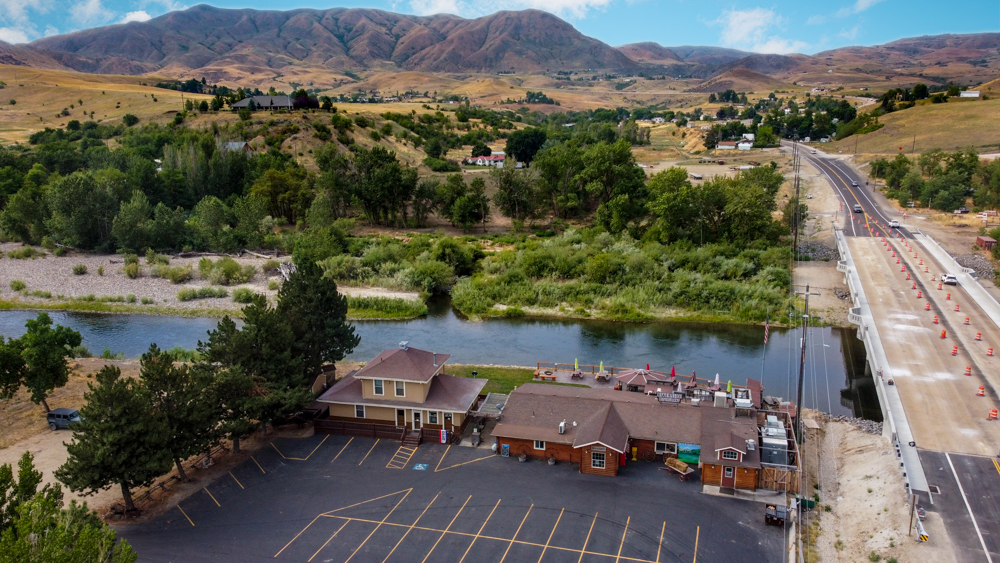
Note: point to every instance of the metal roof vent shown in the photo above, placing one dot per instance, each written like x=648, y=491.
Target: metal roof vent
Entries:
x=404, y=345
x=751, y=445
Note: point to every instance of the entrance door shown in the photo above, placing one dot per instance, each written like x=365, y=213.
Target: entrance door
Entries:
x=729, y=477
x=400, y=417
x=416, y=420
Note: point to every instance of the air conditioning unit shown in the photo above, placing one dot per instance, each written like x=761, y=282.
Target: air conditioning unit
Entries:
x=751, y=445
x=562, y=427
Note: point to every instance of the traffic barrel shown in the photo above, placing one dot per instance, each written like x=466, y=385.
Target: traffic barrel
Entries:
x=914, y=283
x=908, y=277
x=991, y=415
x=981, y=392
x=939, y=286
x=919, y=293
x=948, y=297
x=936, y=322
x=927, y=307
x=989, y=351
x=921, y=261
x=956, y=307
x=968, y=370
x=927, y=271
x=979, y=336
x=954, y=350
x=966, y=320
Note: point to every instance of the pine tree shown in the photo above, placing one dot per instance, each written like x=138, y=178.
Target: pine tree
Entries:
x=38, y=360
x=121, y=440
x=15, y=493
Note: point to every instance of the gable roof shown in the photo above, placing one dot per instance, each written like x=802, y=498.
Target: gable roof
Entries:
x=405, y=364
x=446, y=393
x=605, y=427
x=721, y=430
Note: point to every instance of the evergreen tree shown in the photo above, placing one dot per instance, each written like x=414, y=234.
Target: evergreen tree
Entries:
x=121, y=440
x=38, y=360
x=15, y=493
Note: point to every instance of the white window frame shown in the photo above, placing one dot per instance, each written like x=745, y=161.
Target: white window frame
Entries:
x=665, y=447
x=432, y=417
x=729, y=472
x=539, y=444
x=598, y=460
x=730, y=455
x=379, y=386
x=400, y=387
x=359, y=410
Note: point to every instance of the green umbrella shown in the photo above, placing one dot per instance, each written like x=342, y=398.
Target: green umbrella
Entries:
x=602, y=365
x=576, y=363
x=729, y=386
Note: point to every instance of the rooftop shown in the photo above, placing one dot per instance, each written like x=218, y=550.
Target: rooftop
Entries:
x=447, y=393
x=404, y=364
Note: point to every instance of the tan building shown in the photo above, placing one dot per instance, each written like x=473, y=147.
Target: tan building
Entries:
x=405, y=387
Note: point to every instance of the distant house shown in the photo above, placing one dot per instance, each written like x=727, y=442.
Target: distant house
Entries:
x=730, y=455
x=750, y=136
x=969, y=94
x=744, y=145
x=240, y=146
x=492, y=160
x=659, y=120
x=265, y=103
x=726, y=146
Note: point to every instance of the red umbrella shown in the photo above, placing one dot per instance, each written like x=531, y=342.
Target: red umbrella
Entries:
x=673, y=372
x=647, y=367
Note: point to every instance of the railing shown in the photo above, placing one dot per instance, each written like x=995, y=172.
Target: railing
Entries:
x=386, y=431
x=611, y=370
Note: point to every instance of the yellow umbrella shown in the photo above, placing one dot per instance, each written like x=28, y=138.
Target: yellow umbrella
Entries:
x=729, y=386
x=576, y=363
x=602, y=365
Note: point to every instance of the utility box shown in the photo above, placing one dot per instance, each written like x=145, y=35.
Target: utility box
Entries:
x=985, y=242
x=774, y=451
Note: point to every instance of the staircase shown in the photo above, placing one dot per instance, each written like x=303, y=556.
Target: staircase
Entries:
x=412, y=439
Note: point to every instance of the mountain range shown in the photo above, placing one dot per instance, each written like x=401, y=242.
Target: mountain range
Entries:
x=233, y=45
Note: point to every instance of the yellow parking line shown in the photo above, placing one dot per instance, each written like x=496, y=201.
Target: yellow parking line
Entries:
x=548, y=541
x=621, y=545
x=346, y=522
x=410, y=529
x=659, y=546
x=586, y=541
x=237, y=480
x=697, y=532
x=369, y=452
x=185, y=514
x=446, y=529
x=379, y=525
x=317, y=447
x=297, y=535
x=364, y=502
x=279, y=451
x=513, y=539
x=213, y=497
x=997, y=465
x=480, y=531
x=258, y=465
x=342, y=450
x=439, y=468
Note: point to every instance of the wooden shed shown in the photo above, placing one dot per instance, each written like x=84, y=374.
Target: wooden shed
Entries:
x=985, y=242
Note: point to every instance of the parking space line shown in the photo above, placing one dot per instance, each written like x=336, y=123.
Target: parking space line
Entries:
x=342, y=450
x=982, y=542
x=446, y=529
x=185, y=514
x=346, y=522
x=298, y=534
x=401, y=458
x=622, y=544
x=258, y=465
x=237, y=480
x=997, y=465
x=379, y=524
x=369, y=451
x=213, y=497
x=586, y=541
x=364, y=502
x=480, y=531
x=548, y=541
x=659, y=546
x=410, y=529
x=300, y=458
x=513, y=539
x=439, y=468
x=697, y=532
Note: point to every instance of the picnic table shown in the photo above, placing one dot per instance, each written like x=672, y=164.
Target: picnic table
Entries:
x=603, y=376
x=576, y=374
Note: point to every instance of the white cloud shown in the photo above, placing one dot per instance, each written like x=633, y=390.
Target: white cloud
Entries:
x=137, y=16
x=751, y=30
x=17, y=10
x=166, y=5
x=858, y=7
x=431, y=7
x=850, y=34
x=13, y=35
x=51, y=30
x=90, y=12
x=567, y=8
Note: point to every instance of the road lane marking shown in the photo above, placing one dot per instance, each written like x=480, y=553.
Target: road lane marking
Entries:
x=480, y=531
x=342, y=450
x=659, y=546
x=969, y=508
x=697, y=533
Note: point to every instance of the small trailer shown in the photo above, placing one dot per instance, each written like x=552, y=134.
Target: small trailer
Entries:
x=677, y=466
x=775, y=514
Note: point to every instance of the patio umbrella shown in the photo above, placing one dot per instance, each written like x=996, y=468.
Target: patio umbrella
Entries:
x=576, y=363
x=716, y=380
x=639, y=377
x=729, y=386
x=673, y=372
x=602, y=365
x=647, y=367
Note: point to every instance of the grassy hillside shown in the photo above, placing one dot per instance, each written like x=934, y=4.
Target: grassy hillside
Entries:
x=951, y=126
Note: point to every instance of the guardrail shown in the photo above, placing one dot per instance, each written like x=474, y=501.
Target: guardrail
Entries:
x=983, y=299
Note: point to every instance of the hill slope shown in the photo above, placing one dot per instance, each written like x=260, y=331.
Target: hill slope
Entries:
x=741, y=80
x=19, y=55
x=241, y=42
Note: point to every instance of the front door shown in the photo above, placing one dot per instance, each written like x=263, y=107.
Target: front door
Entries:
x=400, y=417
x=416, y=420
x=729, y=477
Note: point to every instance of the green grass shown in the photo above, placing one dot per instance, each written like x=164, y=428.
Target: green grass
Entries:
x=501, y=379
x=384, y=308
x=106, y=307
x=24, y=253
x=201, y=293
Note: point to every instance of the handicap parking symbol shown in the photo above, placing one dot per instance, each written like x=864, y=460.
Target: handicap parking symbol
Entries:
x=420, y=467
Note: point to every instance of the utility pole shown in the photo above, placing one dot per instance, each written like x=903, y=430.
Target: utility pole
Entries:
x=794, y=220
x=802, y=368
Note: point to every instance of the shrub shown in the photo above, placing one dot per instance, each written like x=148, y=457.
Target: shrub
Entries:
x=23, y=253
x=439, y=165
x=133, y=270
x=384, y=308
x=131, y=259
x=180, y=354
x=18, y=285
x=271, y=266
x=201, y=293
x=107, y=354
x=79, y=269
x=153, y=258
x=100, y=270
x=273, y=285
x=130, y=298
x=80, y=351
x=60, y=251
x=226, y=271
x=49, y=244
x=146, y=301
x=40, y=294
x=204, y=267
x=176, y=274
x=243, y=295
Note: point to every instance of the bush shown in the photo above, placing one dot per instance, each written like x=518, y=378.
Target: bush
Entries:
x=80, y=351
x=40, y=294
x=271, y=266
x=243, y=295
x=79, y=269
x=176, y=274
x=201, y=293
x=384, y=308
x=131, y=259
x=273, y=285
x=226, y=271
x=60, y=251
x=18, y=285
x=133, y=270
x=129, y=120
x=23, y=253
x=180, y=354
x=439, y=165
x=130, y=298
x=146, y=301
x=153, y=258
x=100, y=270
x=107, y=354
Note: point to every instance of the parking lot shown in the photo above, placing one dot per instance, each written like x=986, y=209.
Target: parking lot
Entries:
x=334, y=499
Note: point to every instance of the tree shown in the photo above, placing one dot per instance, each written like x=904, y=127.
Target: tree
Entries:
x=424, y=201
x=472, y=206
x=525, y=143
x=382, y=186
x=920, y=92
x=481, y=149
x=557, y=168
x=612, y=177
x=129, y=120
x=515, y=193
x=181, y=396
x=795, y=214
x=14, y=493
x=129, y=228
x=121, y=440
x=765, y=137
x=37, y=360
x=203, y=106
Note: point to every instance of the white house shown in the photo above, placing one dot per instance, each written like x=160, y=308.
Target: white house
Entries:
x=495, y=160
x=744, y=145
x=659, y=120
x=726, y=146
x=750, y=136
x=969, y=94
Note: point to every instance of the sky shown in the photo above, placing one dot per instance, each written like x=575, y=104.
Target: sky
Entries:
x=779, y=26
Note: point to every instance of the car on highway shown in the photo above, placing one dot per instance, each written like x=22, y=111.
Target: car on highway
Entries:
x=949, y=279
x=893, y=224
x=813, y=151
x=854, y=183
x=857, y=208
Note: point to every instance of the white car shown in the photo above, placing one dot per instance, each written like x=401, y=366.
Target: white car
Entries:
x=949, y=279
x=893, y=224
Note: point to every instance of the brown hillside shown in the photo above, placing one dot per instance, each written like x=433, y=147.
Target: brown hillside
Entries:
x=236, y=44
x=650, y=53
x=741, y=80
x=19, y=55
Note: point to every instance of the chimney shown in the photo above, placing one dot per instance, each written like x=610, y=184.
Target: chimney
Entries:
x=435, y=359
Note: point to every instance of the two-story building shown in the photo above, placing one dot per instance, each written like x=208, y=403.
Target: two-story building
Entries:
x=405, y=387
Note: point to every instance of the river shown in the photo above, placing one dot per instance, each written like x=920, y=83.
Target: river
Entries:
x=834, y=374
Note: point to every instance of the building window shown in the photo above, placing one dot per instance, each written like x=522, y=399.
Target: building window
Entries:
x=539, y=445
x=400, y=389
x=379, y=387
x=666, y=448
x=597, y=460
x=359, y=411
x=432, y=417
x=729, y=473
x=730, y=454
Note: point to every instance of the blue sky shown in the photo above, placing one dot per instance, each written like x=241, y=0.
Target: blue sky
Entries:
x=780, y=26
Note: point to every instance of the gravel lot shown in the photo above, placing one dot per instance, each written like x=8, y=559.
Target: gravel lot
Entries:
x=55, y=275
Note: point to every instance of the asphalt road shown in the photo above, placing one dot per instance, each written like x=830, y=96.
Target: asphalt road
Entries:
x=335, y=499
x=965, y=499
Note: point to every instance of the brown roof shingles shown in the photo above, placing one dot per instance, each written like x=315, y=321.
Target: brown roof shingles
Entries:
x=720, y=430
x=447, y=393
x=604, y=427
x=408, y=364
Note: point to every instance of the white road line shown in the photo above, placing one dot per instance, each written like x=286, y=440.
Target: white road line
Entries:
x=839, y=191
x=969, y=508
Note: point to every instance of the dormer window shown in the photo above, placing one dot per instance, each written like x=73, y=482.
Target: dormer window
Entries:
x=730, y=455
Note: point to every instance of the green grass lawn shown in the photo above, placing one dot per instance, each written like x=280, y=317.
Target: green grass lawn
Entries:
x=501, y=380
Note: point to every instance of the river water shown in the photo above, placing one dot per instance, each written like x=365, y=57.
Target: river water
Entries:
x=834, y=374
